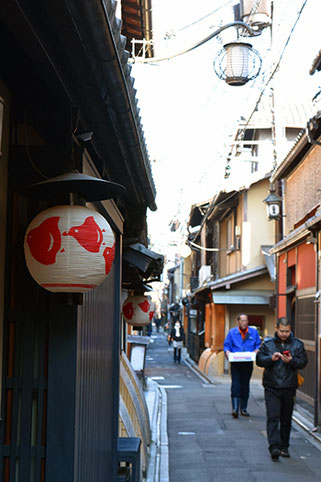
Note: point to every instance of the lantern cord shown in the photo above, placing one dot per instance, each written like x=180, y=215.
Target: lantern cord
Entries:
x=41, y=174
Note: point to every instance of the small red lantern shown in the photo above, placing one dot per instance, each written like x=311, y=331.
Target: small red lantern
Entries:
x=138, y=310
x=69, y=249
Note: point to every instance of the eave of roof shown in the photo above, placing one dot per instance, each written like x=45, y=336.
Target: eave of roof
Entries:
x=80, y=45
x=296, y=235
x=232, y=278
x=298, y=151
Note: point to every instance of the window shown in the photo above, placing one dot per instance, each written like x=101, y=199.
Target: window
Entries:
x=254, y=166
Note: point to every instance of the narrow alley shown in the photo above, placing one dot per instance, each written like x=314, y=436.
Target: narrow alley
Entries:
x=206, y=444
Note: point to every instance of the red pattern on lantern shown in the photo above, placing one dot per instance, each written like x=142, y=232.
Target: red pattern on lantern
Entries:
x=88, y=235
x=44, y=241
x=128, y=310
x=109, y=255
x=145, y=306
x=138, y=310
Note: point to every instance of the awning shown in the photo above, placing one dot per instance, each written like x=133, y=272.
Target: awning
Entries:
x=146, y=261
x=242, y=297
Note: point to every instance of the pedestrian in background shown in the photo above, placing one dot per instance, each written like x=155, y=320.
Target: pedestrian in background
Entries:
x=241, y=338
x=177, y=337
x=281, y=357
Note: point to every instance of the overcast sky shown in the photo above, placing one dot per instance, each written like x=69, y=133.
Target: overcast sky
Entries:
x=188, y=113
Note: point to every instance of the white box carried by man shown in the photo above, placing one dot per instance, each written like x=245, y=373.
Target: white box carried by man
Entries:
x=242, y=356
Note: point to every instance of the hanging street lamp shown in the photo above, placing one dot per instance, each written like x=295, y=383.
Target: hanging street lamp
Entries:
x=237, y=63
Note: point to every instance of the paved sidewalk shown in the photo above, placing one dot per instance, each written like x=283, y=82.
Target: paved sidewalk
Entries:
x=206, y=444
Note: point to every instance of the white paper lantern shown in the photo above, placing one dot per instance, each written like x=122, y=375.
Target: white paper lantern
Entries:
x=138, y=310
x=69, y=249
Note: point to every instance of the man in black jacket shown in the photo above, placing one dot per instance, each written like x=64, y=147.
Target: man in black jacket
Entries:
x=281, y=357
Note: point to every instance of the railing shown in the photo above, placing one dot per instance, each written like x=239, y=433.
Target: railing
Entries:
x=133, y=412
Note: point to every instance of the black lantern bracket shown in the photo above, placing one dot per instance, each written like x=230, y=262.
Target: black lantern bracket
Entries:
x=73, y=185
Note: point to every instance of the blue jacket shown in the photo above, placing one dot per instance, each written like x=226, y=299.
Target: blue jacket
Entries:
x=234, y=341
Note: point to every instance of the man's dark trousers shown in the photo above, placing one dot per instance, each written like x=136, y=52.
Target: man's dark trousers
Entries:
x=279, y=407
x=241, y=374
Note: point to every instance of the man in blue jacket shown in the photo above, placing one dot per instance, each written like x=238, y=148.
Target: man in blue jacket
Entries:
x=241, y=338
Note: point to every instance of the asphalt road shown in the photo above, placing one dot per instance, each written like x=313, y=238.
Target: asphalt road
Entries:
x=206, y=444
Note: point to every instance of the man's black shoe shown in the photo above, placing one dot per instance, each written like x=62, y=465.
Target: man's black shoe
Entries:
x=284, y=453
x=244, y=412
x=275, y=453
x=235, y=413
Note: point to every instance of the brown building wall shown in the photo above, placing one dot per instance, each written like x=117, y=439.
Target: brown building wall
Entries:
x=303, y=189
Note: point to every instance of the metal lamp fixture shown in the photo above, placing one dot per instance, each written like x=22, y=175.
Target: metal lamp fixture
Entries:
x=237, y=63
x=273, y=205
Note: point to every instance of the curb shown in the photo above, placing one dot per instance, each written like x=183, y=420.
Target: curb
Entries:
x=158, y=469
x=194, y=367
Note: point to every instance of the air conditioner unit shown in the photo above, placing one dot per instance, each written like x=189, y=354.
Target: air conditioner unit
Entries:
x=204, y=274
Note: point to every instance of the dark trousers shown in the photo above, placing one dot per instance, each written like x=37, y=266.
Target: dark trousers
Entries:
x=241, y=373
x=279, y=404
x=177, y=354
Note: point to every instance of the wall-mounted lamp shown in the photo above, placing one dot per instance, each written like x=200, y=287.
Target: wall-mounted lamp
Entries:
x=273, y=205
x=237, y=63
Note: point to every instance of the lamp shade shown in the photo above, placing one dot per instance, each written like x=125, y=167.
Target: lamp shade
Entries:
x=237, y=63
x=138, y=310
x=69, y=249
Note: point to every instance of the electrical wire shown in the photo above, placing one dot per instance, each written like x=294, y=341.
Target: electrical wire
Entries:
x=205, y=16
x=242, y=132
x=201, y=248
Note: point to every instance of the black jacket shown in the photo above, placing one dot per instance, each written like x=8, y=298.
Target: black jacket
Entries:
x=181, y=335
x=278, y=374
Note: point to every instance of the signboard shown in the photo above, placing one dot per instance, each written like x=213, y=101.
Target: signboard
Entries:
x=137, y=357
